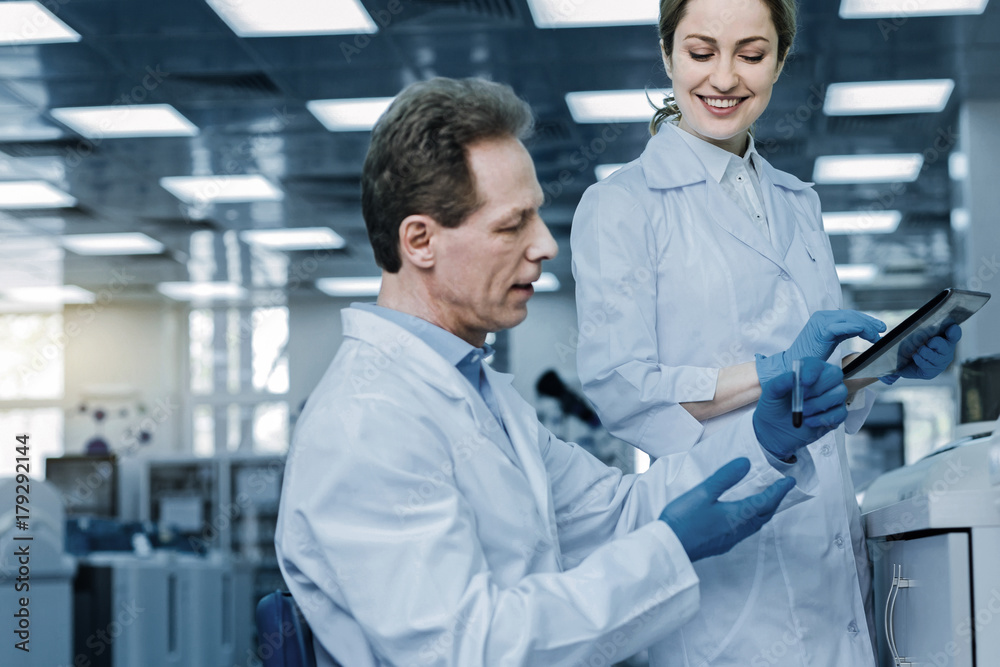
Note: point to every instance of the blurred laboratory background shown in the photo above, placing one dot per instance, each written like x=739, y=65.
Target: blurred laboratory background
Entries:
x=180, y=224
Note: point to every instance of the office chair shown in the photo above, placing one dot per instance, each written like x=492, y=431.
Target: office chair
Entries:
x=283, y=636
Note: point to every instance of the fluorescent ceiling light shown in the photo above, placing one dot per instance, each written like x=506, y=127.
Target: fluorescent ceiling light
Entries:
x=547, y=282
x=128, y=243
x=55, y=294
x=349, y=115
x=266, y=18
x=902, y=9
x=584, y=13
x=602, y=171
x=861, y=222
x=857, y=274
x=359, y=286
x=185, y=291
x=30, y=23
x=610, y=106
x=886, y=97
x=960, y=219
x=144, y=120
x=221, y=189
x=303, y=238
x=834, y=169
x=33, y=194
x=958, y=166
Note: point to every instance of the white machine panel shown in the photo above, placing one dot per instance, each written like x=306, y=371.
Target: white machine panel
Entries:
x=923, y=602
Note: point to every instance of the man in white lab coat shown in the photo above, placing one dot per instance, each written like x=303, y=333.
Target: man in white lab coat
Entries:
x=427, y=517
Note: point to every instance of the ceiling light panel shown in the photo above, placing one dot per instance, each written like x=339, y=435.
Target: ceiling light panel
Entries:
x=33, y=194
x=221, y=189
x=354, y=286
x=31, y=23
x=55, y=294
x=119, y=121
x=547, y=282
x=887, y=97
x=207, y=291
x=857, y=274
x=902, y=9
x=602, y=171
x=592, y=13
x=267, y=18
x=841, y=169
x=861, y=222
x=129, y=243
x=611, y=106
x=303, y=238
x=349, y=115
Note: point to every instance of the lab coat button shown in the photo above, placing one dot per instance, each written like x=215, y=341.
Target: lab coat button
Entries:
x=852, y=627
x=839, y=541
x=826, y=450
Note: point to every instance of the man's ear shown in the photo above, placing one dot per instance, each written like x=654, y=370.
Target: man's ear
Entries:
x=666, y=61
x=416, y=240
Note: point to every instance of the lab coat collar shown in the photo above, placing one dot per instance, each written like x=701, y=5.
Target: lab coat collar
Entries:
x=667, y=162
x=401, y=348
x=782, y=178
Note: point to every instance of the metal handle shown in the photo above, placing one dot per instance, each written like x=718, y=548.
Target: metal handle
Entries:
x=890, y=609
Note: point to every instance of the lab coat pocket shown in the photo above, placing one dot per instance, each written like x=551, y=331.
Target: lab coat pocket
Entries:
x=817, y=245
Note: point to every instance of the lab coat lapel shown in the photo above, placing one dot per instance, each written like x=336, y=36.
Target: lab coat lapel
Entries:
x=779, y=203
x=397, y=346
x=523, y=432
x=725, y=213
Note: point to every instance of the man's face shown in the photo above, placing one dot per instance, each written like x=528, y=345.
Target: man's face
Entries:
x=484, y=267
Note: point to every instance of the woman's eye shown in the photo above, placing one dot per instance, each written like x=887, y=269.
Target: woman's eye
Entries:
x=753, y=59
x=701, y=56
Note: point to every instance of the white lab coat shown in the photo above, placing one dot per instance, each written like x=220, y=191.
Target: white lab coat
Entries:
x=411, y=534
x=674, y=281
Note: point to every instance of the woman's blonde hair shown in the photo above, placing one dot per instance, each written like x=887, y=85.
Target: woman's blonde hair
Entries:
x=672, y=12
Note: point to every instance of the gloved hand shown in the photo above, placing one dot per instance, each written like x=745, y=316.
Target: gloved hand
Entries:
x=931, y=358
x=825, y=330
x=707, y=527
x=823, y=409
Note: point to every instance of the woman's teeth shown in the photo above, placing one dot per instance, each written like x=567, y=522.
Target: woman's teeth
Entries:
x=721, y=104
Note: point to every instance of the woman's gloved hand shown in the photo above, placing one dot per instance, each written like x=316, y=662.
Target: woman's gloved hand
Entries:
x=825, y=330
x=931, y=358
x=707, y=527
x=823, y=408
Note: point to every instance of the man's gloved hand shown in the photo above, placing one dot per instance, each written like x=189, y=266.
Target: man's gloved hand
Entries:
x=707, y=527
x=823, y=408
x=931, y=358
x=825, y=330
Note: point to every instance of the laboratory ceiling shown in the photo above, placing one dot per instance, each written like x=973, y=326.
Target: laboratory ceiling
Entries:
x=248, y=98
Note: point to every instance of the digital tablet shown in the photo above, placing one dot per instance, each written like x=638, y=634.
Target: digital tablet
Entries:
x=897, y=347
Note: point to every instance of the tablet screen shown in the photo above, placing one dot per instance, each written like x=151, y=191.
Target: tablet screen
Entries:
x=894, y=351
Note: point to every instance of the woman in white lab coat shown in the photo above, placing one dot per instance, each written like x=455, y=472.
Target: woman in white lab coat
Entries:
x=696, y=266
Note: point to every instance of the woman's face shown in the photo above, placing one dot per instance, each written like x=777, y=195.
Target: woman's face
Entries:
x=723, y=66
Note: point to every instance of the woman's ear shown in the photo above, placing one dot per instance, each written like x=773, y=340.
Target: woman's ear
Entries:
x=666, y=61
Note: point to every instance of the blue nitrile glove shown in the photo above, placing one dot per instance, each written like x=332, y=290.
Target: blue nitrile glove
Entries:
x=823, y=408
x=825, y=330
x=707, y=527
x=931, y=358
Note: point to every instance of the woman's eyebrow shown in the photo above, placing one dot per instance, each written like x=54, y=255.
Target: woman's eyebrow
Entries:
x=712, y=40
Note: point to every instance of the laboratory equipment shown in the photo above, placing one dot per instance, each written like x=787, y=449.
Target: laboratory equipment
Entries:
x=934, y=532
x=35, y=576
x=87, y=484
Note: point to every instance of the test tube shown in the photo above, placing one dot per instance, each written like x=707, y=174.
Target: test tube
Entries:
x=797, y=393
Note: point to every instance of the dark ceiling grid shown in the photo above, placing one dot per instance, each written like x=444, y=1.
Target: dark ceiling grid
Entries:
x=241, y=91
